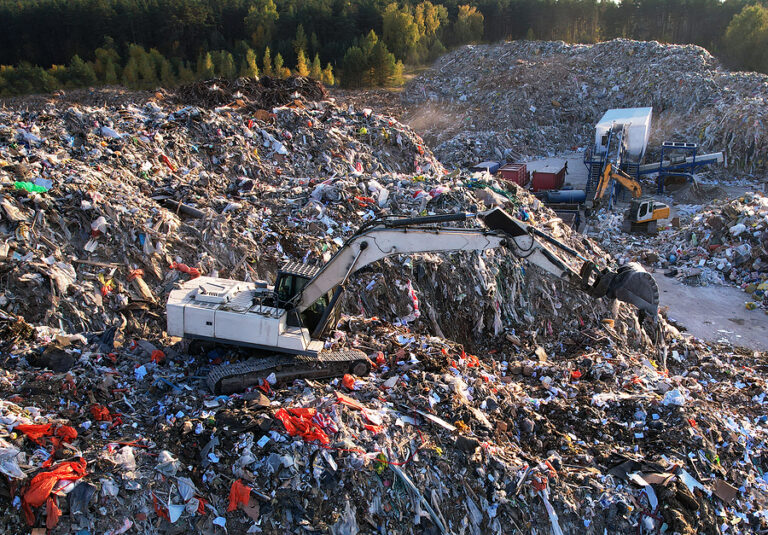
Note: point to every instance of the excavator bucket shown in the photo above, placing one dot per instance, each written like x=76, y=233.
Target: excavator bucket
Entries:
x=631, y=284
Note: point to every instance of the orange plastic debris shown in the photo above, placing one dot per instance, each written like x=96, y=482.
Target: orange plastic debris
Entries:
x=348, y=381
x=52, y=513
x=193, y=272
x=299, y=422
x=101, y=413
x=56, y=434
x=42, y=484
x=238, y=494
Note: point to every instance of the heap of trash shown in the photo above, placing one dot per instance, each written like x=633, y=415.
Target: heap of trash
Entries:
x=540, y=98
x=500, y=399
x=724, y=242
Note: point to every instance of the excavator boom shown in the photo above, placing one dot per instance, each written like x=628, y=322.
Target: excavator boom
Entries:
x=609, y=173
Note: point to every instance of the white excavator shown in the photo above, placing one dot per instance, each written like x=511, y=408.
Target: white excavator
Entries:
x=286, y=321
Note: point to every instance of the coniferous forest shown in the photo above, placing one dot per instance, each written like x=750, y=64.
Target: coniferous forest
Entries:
x=143, y=44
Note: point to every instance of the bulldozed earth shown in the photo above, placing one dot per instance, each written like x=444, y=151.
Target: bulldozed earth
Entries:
x=500, y=400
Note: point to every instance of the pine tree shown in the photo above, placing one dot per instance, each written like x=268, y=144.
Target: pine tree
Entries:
x=248, y=67
x=267, y=63
x=104, y=55
x=205, y=68
x=261, y=22
x=382, y=63
x=300, y=42
x=279, y=65
x=314, y=43
x=316, y=70
x=328, y=78
x=225, y=64
x=80, y=73
x=131, y=74
x=167, y=77
x=397, y=76
x=355, y=64
x=186, y=74
x=110, y=73
x=301, y=64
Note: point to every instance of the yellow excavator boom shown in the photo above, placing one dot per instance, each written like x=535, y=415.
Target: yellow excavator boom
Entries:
x=621, y=177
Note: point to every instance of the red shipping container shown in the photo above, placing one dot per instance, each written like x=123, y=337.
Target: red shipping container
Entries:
x=515, y=172
x=548, y=178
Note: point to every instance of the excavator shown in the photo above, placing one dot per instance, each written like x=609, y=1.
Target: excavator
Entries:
x=287, y=320
x=643, y=214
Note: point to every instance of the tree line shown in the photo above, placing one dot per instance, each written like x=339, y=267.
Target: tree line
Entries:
x=46, y=44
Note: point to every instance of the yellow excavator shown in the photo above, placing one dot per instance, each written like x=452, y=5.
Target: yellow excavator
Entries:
x=643, y=214
x=608, y=174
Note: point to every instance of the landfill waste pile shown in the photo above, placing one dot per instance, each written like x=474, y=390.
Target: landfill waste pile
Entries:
x=725, y=242
x=500, y=401
x=540, y=98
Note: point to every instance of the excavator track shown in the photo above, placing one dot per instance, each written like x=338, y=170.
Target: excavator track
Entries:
x=231, y=378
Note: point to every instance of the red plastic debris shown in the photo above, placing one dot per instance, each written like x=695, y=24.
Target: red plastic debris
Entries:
x=575, y=374
x=193, y=272
x=101, y=413
x=160, y=511
x=52, y=513
x=42, y=484
x=168, y=162
x=348, y=381
x=157, y=356
x=299, y=422
x=56, y=434
x=238, y=494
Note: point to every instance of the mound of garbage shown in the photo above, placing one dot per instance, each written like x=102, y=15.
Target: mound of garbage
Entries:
x=500, y=400
x=540, y=98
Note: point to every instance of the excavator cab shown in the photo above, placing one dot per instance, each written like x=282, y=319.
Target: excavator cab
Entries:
x=291, y=280
x=643, y=215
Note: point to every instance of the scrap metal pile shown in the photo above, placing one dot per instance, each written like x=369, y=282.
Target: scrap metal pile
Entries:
x=725, y=242
x=501, y=401
x=535, y=98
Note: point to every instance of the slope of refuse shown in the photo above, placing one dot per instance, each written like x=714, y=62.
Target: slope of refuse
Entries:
x=500, y=401
x=539, y=98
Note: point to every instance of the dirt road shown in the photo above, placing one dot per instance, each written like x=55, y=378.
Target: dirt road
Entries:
x=714, y=313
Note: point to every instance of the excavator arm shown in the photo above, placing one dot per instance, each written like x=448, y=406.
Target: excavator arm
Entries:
x=406, y=236
x=609, y=173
